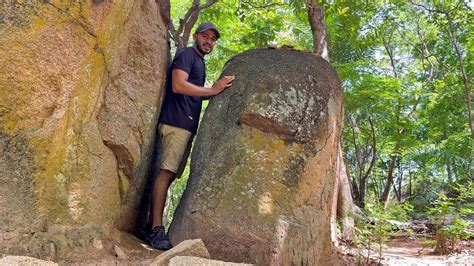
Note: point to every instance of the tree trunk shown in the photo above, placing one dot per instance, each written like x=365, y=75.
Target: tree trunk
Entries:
x=441, y=243
x=362, y=188
x=362, y=155
x=318, y=29
x=355, y=191
x=345, y=205
x=393, y=158
x=388, y=185
x=399, y=183
x=462, y=69
x=410, y=185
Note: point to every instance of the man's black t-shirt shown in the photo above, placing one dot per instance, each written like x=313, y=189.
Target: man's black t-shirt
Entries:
x=180, y=110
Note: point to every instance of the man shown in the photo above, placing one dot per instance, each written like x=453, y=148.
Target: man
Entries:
x=179, y=120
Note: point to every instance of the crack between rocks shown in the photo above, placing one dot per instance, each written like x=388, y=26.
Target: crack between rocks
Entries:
x=128, y=15
x=322, y=194
x=113, y=79
x=107, y=78
x=82, y=21
x=325, y=142
x=113, y=82
x=326, y=179
x=79, y=137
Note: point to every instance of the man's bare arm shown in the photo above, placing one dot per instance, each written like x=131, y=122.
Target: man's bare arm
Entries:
x=183, y=86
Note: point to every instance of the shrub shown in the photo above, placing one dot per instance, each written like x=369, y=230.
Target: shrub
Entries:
x=448, y=215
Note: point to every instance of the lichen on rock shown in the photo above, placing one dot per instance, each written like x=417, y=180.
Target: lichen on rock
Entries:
x=264, y=165
x=80, y=88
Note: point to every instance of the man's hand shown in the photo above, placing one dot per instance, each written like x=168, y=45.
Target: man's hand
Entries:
x=183, y=86
x=222, y=84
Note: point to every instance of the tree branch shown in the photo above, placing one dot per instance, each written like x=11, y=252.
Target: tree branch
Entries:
x=423, y=6
x=181, y=35
x=374, y=149
x=209, y=3
x=262, y=5
x=455, y=44
x=465, y=80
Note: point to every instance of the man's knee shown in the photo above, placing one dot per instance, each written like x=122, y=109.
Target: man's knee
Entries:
x=165, y=176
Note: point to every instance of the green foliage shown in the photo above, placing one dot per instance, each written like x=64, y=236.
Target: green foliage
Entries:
x=400, y=212
x=460, y=229
x=445, y=206
x=375, y=227
x=417, y=101
x=449, y=216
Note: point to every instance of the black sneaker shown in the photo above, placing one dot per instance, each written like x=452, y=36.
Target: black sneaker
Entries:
x=157, y=238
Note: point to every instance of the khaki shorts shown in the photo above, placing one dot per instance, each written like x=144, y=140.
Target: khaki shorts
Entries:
x=175, y=147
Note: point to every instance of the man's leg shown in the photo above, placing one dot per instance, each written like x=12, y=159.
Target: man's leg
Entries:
x=174, y=142
x=157, y=236
x=160, y=190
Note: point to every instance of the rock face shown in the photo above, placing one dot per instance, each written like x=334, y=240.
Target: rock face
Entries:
x=189, y=248
x=80, y=87
x=264, y=165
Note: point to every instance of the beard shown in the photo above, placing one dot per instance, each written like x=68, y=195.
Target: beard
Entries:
x=200, y=49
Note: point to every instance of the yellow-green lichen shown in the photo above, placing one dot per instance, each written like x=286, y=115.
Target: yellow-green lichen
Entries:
x=60, y=158
x=254, y=184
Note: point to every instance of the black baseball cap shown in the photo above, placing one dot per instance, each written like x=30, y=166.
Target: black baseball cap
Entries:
x=208, y=26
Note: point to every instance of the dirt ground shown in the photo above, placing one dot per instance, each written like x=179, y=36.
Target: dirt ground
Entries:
x=400, y=251
x=415, y=251
x=411, y=251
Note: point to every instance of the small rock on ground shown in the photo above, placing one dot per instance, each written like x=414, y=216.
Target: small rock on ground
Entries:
x=194, y=248
x=186, y=261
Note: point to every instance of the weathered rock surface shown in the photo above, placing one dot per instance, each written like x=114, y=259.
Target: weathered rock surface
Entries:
x=186, y=261
x=80, y=88
x=188, y=248
x=264, y=165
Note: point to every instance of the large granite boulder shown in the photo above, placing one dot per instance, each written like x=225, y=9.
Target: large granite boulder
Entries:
x=265, y=163
x=80, y=87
